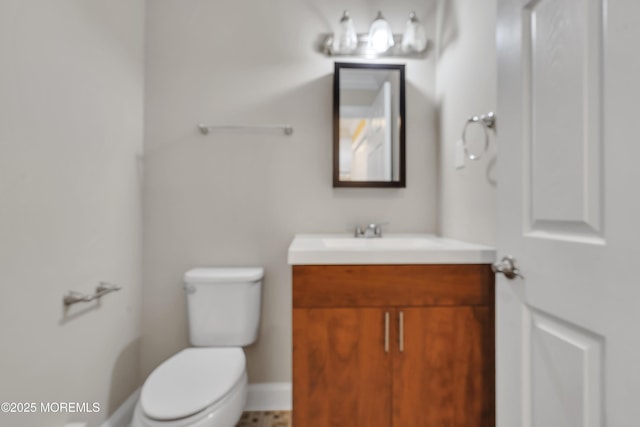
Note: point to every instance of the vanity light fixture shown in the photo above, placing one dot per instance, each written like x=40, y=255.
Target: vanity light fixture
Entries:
x=380, y=35
x=346, y=39
x=414, y=38
x=379, y=42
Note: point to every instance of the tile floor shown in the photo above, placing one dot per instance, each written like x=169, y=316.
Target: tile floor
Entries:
x=265, y=419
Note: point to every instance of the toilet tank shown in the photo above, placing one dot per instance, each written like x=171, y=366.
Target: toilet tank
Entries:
x=223, y=305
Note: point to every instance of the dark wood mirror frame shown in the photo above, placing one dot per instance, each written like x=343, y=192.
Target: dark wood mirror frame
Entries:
x=400, y=182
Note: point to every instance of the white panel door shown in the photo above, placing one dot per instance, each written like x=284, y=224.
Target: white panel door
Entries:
x=379, y=137
x=568, y=346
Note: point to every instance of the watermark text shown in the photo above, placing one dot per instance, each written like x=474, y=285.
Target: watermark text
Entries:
x=49, y=407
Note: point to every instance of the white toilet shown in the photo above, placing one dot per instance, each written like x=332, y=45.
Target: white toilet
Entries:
x=206, y=385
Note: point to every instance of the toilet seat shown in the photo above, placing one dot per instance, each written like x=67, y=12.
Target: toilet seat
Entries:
x=190, y=381
x=224, y=413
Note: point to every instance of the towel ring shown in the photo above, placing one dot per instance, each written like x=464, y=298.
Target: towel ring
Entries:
x=488, y=121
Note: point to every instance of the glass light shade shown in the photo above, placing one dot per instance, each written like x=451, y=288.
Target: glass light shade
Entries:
x=345, y=39
x=380, y=35
x=414, y=38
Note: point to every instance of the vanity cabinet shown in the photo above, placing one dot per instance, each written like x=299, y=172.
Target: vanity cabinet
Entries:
x=393, y=345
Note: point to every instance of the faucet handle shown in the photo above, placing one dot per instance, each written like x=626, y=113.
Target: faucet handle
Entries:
x=377, y=228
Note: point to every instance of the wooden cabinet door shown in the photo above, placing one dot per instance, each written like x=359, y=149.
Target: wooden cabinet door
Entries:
x=444, y=376
x=341, y=372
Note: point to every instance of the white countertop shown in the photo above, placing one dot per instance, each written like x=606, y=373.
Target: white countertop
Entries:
x=327, y=249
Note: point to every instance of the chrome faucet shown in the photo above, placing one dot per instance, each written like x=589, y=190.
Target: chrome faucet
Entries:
x=370, y=231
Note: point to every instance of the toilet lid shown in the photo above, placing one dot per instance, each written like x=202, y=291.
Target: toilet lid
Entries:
x=190, y=381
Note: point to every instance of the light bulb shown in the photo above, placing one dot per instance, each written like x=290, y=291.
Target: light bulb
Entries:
x=380, y=35
x=346, y=39
x=414, y=38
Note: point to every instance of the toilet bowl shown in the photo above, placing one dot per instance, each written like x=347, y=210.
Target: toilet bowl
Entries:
x=206, y=385
x=198, y=387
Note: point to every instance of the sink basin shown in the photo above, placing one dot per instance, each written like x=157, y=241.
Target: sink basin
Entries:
x=389, y=243
x=319, y=249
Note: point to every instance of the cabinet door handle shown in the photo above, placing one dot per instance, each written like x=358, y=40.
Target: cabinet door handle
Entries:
x=386, y=332
x=401, y=331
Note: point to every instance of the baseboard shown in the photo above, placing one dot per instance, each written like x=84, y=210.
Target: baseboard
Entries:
x=124, y=414
x=269, y=397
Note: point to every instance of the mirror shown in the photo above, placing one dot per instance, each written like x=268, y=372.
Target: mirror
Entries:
x=368, y=125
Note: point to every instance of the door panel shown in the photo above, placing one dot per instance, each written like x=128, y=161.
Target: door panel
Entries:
x=566, y=374
x=342, y=373
x=562, y=117
x=444, y=376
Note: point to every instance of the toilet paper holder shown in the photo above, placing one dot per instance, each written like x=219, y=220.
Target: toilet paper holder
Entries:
x=104, y=288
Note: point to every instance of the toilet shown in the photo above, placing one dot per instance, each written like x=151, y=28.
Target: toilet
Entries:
x=206, y=385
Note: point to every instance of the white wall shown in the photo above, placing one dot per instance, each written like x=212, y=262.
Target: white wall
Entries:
x=466, y=86
x=71, y=102
x=239, y=198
